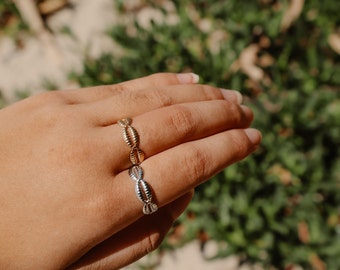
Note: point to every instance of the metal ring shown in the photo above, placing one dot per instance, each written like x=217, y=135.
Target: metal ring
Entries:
x=136, y=156
x=136, y=173
x=142, y=188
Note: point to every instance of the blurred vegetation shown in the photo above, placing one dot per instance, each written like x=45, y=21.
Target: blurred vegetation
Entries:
x=281, y=206
x=10, y=19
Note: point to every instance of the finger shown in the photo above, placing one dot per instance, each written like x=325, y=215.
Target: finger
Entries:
x=195, y=162
x=167, y=127
x=96, y=93
x=171, y=174
x=133, y=103
x=175, y=171
x=136, y=240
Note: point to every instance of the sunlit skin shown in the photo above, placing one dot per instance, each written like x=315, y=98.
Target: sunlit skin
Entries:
x=66, y=199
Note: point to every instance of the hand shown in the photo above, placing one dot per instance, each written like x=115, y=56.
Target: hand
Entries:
x=66, y=199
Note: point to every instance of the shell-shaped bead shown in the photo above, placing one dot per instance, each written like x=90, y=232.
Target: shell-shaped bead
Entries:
x=130, y=136
x=143, y=191
x=149, y=208
x=136, y=173
x=136, y=156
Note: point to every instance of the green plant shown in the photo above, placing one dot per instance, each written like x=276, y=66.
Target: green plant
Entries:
x=280, y=207
x=10, y=19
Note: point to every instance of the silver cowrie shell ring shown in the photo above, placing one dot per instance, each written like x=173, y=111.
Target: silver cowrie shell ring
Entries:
x=142, y=188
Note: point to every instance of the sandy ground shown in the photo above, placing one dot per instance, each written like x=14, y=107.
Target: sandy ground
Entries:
x=188, y=257
x=50, y=58
x=45, y=58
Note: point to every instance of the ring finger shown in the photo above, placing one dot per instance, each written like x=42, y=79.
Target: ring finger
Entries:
x=176, y=171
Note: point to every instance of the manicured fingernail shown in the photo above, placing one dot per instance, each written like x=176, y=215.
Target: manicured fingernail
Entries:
x=187, y=78
x=230, y=95
x=254, y=135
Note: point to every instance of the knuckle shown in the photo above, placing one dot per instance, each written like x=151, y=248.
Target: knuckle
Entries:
x=160, y=78
x=118, y=88
x=210, y=92
x=47, y=116
x=48, y=97
x=160, y=98
x=156, y=98
x=182, y=120
x=54, y=116
x=152, y=98
x=195, y=164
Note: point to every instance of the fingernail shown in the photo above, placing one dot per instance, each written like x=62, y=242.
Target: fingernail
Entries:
x=254, y=135
x=186, y=78
x=230, y=95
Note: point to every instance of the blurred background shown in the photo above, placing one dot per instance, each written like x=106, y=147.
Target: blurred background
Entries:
x=279, y=208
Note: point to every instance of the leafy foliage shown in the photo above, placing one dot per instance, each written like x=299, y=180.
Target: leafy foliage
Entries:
x=280, y=207
x=10, y=19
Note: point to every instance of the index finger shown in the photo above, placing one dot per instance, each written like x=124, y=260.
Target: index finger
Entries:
x=96, y=93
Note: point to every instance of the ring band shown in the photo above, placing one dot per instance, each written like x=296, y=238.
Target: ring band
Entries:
x=136, y=173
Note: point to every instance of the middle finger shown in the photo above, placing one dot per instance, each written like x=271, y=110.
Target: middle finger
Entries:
x=164, y=128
